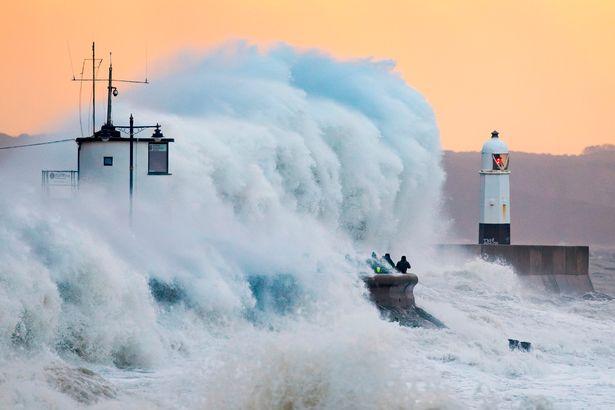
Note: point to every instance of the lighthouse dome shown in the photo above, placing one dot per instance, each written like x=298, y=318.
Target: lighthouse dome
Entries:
x=494, y=155
x=494, y=145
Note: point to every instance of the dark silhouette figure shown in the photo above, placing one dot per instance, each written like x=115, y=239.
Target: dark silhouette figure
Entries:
x=387, y=257
x=403, y=265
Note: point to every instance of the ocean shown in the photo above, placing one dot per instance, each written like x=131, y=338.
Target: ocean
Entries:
x=237, y=285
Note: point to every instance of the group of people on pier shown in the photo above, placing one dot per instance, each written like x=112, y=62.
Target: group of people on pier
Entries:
x=386, y=264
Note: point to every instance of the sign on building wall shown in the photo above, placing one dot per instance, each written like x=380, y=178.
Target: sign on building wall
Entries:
x=60, y=181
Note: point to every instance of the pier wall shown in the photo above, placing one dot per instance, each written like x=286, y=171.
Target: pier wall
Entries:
x=561, y=269
x=392, y=291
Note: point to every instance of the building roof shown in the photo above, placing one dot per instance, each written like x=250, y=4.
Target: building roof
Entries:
x=121, y=139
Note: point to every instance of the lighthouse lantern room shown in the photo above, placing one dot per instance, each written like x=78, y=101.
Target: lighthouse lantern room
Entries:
x=494, y=224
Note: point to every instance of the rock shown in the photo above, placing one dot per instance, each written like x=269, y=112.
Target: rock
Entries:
x=81, y=384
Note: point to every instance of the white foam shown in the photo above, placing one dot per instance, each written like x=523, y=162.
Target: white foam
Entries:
x=292, y=166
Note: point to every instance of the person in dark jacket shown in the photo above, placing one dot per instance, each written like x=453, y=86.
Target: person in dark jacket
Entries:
x=387, y=257
x=403, y=265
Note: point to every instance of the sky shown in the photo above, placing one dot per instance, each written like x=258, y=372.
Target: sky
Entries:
x=542, y=72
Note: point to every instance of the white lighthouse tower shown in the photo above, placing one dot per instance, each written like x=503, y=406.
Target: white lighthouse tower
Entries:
x=494, y=224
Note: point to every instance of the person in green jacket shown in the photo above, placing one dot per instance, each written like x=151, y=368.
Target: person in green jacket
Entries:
x=377, y=265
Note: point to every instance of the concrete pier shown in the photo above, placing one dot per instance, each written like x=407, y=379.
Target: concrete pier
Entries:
x=394, y=296
x=561, y=269
x=392, y=291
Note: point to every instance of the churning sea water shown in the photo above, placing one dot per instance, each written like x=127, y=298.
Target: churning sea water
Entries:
x=238, y=285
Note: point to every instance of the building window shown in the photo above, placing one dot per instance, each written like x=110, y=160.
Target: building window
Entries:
x=108, y=161
x=158, y=158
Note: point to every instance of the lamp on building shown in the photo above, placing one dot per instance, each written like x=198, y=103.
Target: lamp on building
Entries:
x=106, y=132
x=157, y=135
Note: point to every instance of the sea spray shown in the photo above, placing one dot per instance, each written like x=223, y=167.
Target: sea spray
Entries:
x=288, y=166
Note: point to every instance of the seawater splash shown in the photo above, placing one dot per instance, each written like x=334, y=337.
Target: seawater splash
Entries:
x=349, y=144
x=288, y=167
x=238, y=286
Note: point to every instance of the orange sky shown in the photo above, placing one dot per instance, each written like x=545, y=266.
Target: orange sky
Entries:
x=540, y=71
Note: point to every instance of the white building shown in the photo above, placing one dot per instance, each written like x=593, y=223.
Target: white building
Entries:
x=494, y=223
x=104, y=160
x=107, y=160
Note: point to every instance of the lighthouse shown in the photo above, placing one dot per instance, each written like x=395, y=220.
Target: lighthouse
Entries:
x=494, y=223
x=555, y=268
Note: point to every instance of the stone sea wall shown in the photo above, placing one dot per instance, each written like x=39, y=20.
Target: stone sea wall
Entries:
x=561, y=269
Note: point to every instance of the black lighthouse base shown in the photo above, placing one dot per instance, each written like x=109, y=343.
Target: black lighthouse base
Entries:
x=494, y=234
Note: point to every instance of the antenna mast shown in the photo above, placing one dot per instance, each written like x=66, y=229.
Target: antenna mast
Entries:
x=93, y=88
x=111, y=89
x=95, y=64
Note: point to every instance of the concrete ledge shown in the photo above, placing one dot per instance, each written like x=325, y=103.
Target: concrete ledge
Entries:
x=561, y=269
x=394, y=296
x=392, y=291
